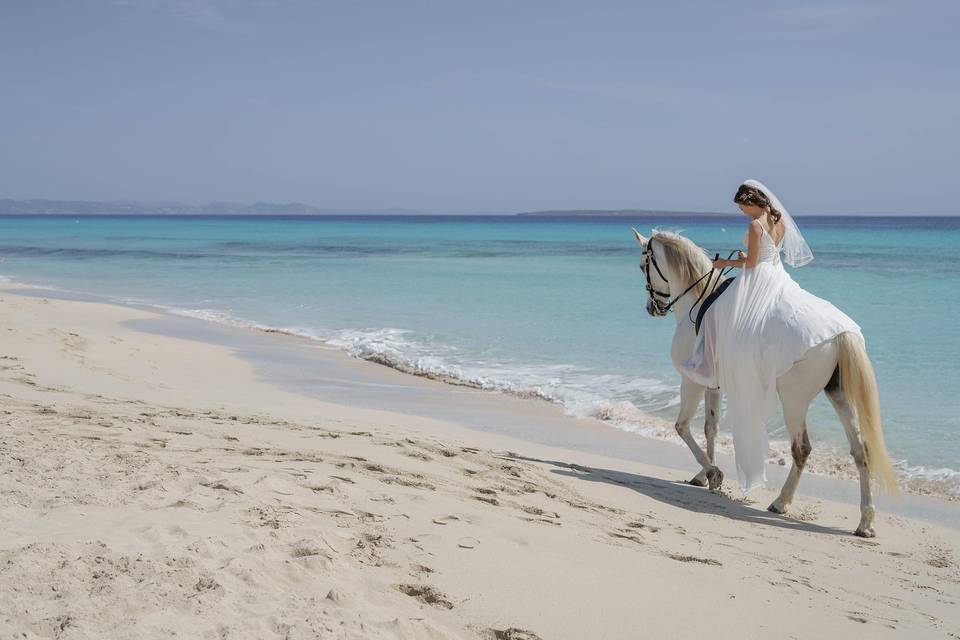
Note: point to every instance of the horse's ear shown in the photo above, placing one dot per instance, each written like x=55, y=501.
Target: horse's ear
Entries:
x=640, y=239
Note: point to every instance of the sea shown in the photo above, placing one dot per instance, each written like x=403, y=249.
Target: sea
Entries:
x=551, y=307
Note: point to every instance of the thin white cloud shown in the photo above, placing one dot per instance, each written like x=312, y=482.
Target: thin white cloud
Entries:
x=200, y=13
x=827, y=17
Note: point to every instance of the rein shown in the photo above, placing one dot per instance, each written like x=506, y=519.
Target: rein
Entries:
x=654, y=295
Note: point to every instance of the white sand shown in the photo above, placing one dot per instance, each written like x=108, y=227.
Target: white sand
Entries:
x=153, y=487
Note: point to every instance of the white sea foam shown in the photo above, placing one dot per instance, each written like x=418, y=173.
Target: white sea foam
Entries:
x=210, y=315
x=586, y=394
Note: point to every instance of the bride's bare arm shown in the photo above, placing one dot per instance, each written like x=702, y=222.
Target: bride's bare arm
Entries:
x=749, y=261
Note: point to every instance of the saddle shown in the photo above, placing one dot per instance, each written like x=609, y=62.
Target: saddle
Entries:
x=710, y=300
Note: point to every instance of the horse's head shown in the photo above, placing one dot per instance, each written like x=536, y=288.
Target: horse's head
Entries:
x=658, y=288
x=670, y=263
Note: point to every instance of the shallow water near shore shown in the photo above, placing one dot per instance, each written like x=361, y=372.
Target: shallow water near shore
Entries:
x=551, y=308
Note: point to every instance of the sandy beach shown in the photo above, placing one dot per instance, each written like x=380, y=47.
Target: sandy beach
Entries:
x=154, y=486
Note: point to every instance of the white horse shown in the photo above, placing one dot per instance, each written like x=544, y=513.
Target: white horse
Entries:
x=839, y=367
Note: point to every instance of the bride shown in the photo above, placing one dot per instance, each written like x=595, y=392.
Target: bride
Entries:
x=760, y=326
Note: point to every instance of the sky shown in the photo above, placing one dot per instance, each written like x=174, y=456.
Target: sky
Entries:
x=494, y=106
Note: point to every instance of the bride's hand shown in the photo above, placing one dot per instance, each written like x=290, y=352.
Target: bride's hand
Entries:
x=720, y=263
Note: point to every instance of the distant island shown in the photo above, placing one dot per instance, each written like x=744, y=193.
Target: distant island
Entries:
x=10, y=206
x=616, y=213
x=125, y=207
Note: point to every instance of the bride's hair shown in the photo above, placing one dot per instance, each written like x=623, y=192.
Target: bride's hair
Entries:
x=751, y=195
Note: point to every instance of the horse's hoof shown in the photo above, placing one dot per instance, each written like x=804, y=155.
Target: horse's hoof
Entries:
x=776, y=508
x=715, y=478
x=697, y=481
x=865, y=532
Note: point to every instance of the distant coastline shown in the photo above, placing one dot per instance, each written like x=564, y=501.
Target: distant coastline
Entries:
x=31, y=207
x=171, y=208
x=132, y=208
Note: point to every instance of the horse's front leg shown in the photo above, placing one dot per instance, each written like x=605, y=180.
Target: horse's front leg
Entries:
x=690, y=394
x=711, y=421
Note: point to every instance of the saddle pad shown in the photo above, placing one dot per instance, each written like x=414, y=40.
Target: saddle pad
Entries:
x=710, y=299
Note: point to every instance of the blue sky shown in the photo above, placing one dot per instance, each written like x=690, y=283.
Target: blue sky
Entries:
x=483, y=106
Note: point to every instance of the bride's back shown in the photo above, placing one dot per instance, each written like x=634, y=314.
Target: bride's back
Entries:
x=769, y=247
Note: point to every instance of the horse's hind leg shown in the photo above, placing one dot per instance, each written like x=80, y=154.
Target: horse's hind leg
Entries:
x=851, y=426
x=690, y=394
x=797, y=389
x=795, y=415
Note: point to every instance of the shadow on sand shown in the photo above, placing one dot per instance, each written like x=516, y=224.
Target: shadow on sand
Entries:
x=683, y=495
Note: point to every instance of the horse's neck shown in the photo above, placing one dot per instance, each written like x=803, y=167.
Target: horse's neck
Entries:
x=683, y=305
x=684, y=336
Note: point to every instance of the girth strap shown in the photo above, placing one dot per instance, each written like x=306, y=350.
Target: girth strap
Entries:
x=710, y=300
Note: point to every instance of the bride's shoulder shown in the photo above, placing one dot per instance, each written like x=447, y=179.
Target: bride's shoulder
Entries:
x=754, y=230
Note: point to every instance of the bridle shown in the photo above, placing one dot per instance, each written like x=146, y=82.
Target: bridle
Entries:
x=659, y=300
x=661, y=307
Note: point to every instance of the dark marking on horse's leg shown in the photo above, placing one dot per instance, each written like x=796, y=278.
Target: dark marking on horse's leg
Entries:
x=800, y=450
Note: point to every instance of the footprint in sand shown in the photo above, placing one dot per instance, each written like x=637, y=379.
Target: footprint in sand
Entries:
x=940, y=558
x=221, y=486
x=468, y=543
x=639, y=524
x=513, y=633
x=679, y=557
x=305, y=550
x=537, y=511
x=426, y=594
x=445, y=520
x=626, y=534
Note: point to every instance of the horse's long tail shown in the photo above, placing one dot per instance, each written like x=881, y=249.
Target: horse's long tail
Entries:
x=859, y=384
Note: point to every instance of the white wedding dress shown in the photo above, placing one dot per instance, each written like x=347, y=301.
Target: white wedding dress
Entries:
x=752, y=334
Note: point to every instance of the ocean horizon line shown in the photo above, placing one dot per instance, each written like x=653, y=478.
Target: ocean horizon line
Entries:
x=612, y=215
x=172, y=208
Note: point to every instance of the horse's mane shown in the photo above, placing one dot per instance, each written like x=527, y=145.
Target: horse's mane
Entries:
x=685, y=260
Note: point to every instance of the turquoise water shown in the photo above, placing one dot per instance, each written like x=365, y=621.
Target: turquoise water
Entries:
x=549, y=306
